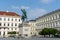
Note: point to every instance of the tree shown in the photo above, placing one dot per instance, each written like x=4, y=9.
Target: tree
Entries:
x=53, y=31
x=58, y=32
x=24, y=15
x=44, y=32
x=13, y=32
x=48, y=31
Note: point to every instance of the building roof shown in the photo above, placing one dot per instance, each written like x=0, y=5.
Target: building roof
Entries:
x=26, y=25
x=53, y=12
x=8, y=13
x=32, y=20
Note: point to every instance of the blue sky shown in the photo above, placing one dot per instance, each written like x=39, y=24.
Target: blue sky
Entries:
x=34, y=8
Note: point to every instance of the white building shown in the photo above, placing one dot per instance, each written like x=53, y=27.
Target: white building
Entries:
x=32, y=23
x=9, y=21
x=50, y=20
x=28, y=29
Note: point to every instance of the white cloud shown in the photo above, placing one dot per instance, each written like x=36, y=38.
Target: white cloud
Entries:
x=46, y=1
x=15, y=7
x=25, y=7
x=21, y=7
x=34, y=13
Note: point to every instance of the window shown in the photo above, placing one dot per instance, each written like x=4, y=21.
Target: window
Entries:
x=26, y=29
x=8, y=28
x=0, y=18
x=26, y=35
x=52, y=17
x=55, y=17
x=49, y=18
x=8, y=24
x=20, y=25
x=0, y=33
x=15, y=19
x=12, y=24
x=4, y=28
x=4, y=19
x=4, y=33
x=56, y=24
x=31, y=32
x=4, y=24
x=52, y=25
x=19, y=20
x=59, y=15
x=15, y=28
x=8, y=19
x=12, y=19
x=0, y=24
x=11, y=28
x=15, y=24
x=0, y=28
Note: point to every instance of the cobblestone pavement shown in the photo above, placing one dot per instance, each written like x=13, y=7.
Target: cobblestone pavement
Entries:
x=33, y=38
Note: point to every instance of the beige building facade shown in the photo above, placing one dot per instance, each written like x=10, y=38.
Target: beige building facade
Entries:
x=50, y=20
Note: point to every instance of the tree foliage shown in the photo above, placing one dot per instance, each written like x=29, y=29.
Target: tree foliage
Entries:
x=13, y=32
x=48, y=31
x=58, y=32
